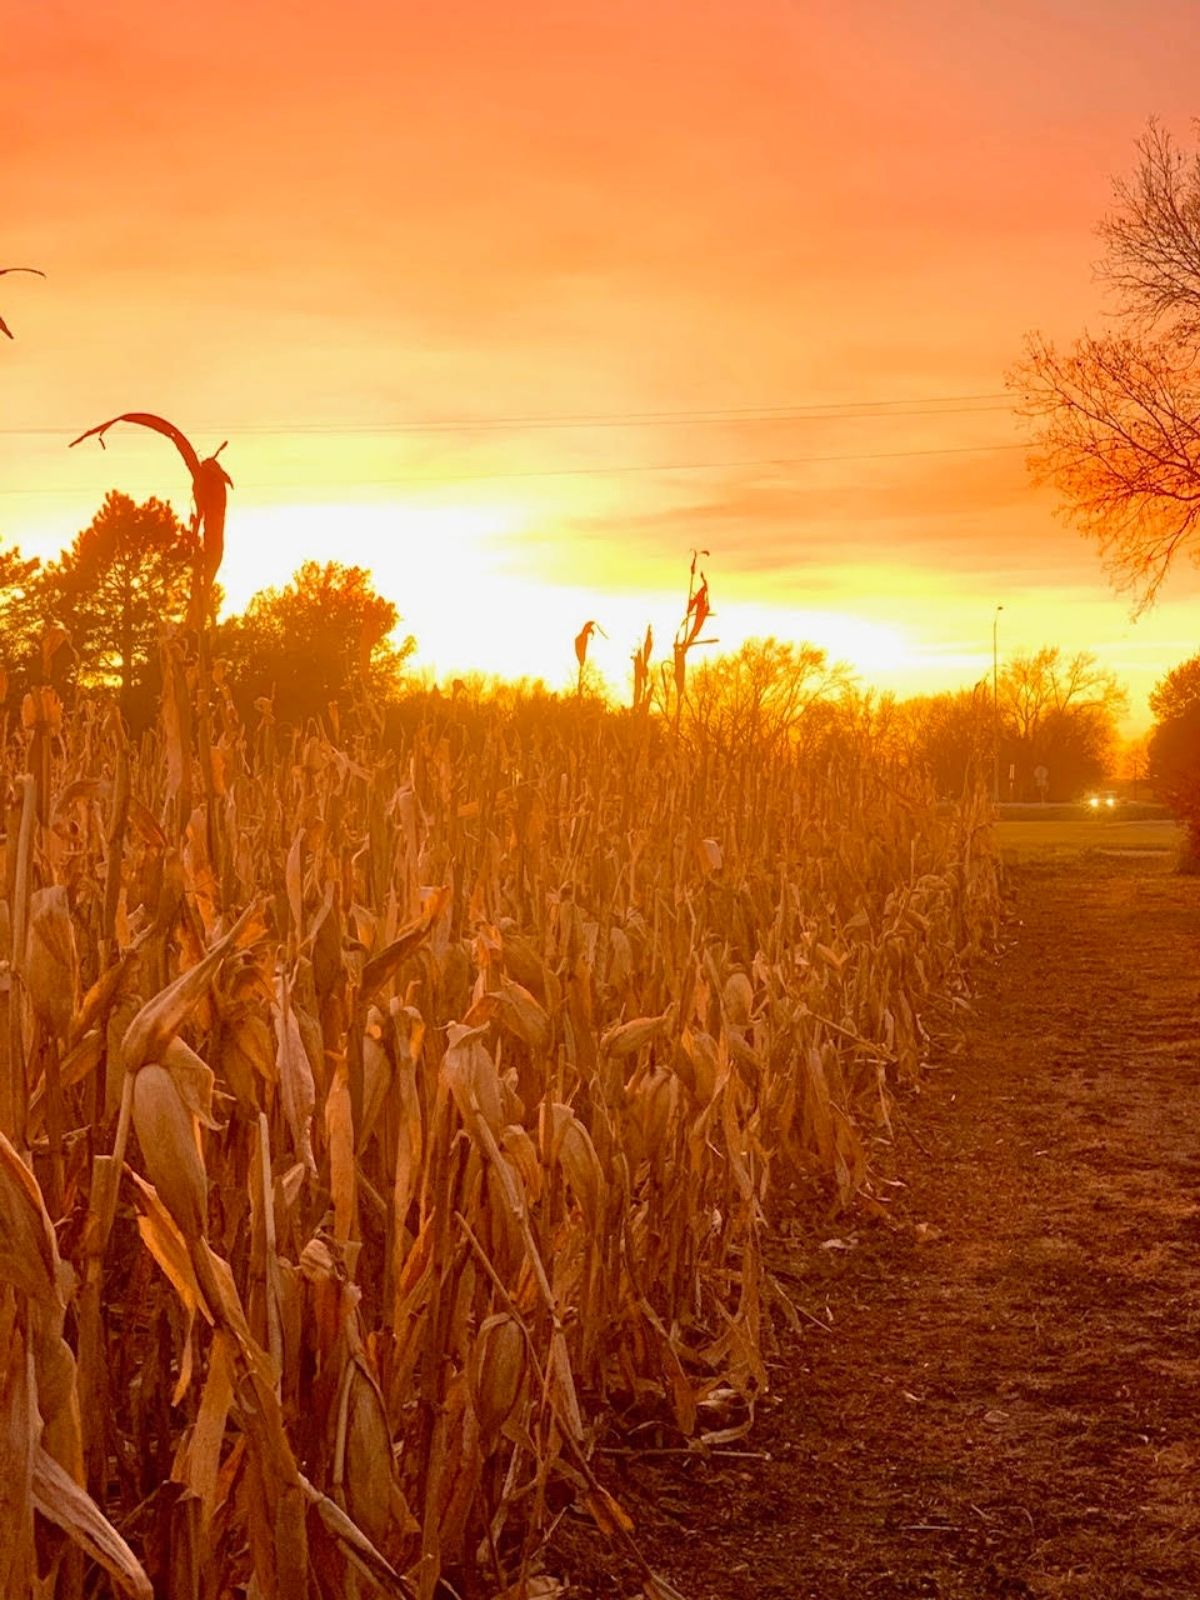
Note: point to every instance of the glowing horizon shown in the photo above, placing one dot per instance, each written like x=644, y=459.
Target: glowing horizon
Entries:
x=514, y=310
x=449, y=569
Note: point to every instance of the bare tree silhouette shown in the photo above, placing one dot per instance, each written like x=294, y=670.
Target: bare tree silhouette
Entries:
x=1118, y=413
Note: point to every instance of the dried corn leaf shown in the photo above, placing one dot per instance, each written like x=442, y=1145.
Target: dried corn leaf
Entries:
x=357, y=1546
x=370, y=1482
x=193, y=1080
x=627, y=1038
x=198, y=1464
x=470, y=1075
x=606, y=1512
x=18, y=1436
x=161, y=1236
x=738, y=999
x=82, y=1059
x=28, y=1251
x=51, y=965
x=155, y=1024
x=573, y=1145
x=61, y=1501
x=297, y=1086
x=381, y=969
x=522, y=1013
x=497, y=1372
x=339, y=1137
x=167, y=1136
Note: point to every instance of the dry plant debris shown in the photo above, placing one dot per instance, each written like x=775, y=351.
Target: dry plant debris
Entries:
x=377, y=1120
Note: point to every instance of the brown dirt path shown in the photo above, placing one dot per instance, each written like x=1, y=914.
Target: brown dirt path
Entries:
x=1012, y=1407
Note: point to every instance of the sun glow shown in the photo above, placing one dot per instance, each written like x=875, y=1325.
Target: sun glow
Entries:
x=416, y=552
x=874, y=650
x=453, y=571
x=477, y=579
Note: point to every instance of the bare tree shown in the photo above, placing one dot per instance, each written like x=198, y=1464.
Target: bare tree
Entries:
x=1043, y=683
x=1060, y=712
x=1153, y=237
x=1118, y=414
x=760, y=693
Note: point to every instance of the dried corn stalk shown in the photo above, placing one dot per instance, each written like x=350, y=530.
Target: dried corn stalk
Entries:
x=405, y=1112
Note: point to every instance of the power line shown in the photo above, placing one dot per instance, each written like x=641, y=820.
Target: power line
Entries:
x=922, y=406
x=616, y=470
x=672, y=466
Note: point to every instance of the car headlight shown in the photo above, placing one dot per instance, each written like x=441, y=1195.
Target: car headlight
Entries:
x=1110, y=802
x=1094, y=801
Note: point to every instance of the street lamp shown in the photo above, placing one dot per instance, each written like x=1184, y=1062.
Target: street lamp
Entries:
x=995, y=711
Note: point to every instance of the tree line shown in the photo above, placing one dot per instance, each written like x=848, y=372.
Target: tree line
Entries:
x=91, y=621
x=1050, y=728
x=323, y=647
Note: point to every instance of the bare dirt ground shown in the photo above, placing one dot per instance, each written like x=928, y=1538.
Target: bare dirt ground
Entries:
x=1007, y=1399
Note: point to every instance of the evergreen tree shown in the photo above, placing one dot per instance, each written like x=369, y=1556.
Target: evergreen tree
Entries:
x=22, y=620
x=123, y=577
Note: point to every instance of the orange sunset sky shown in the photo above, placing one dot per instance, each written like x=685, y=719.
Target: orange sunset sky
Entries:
x=516, y=303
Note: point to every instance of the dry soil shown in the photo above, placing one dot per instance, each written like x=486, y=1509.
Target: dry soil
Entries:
x=1004, y=1399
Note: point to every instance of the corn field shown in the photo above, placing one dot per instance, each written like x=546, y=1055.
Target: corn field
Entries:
x=381, y=1118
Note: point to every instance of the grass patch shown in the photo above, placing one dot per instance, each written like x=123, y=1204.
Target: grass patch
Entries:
x=1038, y=840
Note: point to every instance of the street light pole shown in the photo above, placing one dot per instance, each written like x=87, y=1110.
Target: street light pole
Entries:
x=995, y=711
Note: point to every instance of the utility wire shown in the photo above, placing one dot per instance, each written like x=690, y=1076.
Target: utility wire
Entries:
x=617, y=470
x=733, y=416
